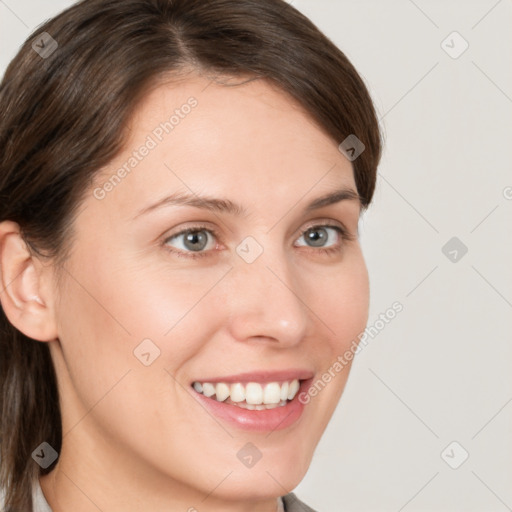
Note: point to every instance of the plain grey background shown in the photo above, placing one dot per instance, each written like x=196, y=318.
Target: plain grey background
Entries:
x=425, y=420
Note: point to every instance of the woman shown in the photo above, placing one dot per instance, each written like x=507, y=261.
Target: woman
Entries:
x=181, y=185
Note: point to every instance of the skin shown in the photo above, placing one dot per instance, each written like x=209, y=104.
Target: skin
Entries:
x=135, y=437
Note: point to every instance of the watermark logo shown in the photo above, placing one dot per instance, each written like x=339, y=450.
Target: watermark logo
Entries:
x=249, y=249
x=146, y=352
x=45, y=455
x=454, y=249
x=44, y=45
x=454, y=45
x=454, y=455
x=249, y=455
x=351, y=147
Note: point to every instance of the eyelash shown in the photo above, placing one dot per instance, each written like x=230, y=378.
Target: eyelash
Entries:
x=345, y=235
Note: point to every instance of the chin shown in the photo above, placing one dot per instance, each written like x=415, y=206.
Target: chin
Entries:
x=276, y=473
x=265, y=483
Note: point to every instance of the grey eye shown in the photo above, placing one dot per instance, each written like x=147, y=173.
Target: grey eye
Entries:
x=318, y=236
x=194, y=240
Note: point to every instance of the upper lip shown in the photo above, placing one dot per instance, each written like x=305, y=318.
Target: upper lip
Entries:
x=261, y=376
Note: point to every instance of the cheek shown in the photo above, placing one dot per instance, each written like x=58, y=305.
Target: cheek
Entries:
x=95, y=338
x=342, y=303
x=109, y=307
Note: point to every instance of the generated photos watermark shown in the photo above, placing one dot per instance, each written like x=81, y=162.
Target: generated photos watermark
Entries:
x=356, y=346
x=152, y=140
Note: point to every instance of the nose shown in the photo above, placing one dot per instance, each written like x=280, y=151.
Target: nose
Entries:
x=265, y=302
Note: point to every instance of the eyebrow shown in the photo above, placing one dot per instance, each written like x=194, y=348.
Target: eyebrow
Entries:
x=228, y=206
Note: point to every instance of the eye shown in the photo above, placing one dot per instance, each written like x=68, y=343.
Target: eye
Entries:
x=193, y=240
x=327, y=238
x=322, y=236
x=198, y=241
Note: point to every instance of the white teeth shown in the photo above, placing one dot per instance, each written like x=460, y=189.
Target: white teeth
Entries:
x=292, y=390
x=272, y=393
x=284, y=391
x=221, y=391
x=253, y=395
x=208, y=389
x=237, y=393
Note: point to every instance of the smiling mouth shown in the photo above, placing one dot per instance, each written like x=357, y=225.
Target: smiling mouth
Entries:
x=251, y=395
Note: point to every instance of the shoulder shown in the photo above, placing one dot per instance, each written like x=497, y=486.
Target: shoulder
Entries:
x=293, y=504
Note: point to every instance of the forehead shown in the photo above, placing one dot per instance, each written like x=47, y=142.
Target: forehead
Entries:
x=232, y=110
x=249, y=138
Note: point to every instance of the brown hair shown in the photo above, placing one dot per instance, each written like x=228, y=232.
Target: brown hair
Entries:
x=64, y=116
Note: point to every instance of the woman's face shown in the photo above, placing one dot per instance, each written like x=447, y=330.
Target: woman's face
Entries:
x=252, y=296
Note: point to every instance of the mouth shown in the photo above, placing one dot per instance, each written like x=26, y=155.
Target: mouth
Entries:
x=254, y=396
x=261, y=401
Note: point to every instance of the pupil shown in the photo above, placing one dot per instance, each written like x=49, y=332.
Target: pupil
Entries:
x=317, y=236
x=194, y=238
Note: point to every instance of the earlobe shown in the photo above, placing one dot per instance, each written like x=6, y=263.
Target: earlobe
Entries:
x=22, y=296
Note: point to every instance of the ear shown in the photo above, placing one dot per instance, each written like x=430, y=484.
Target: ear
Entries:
x=25, y=299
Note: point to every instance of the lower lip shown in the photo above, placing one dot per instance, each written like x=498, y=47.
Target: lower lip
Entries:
x=268, y=420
